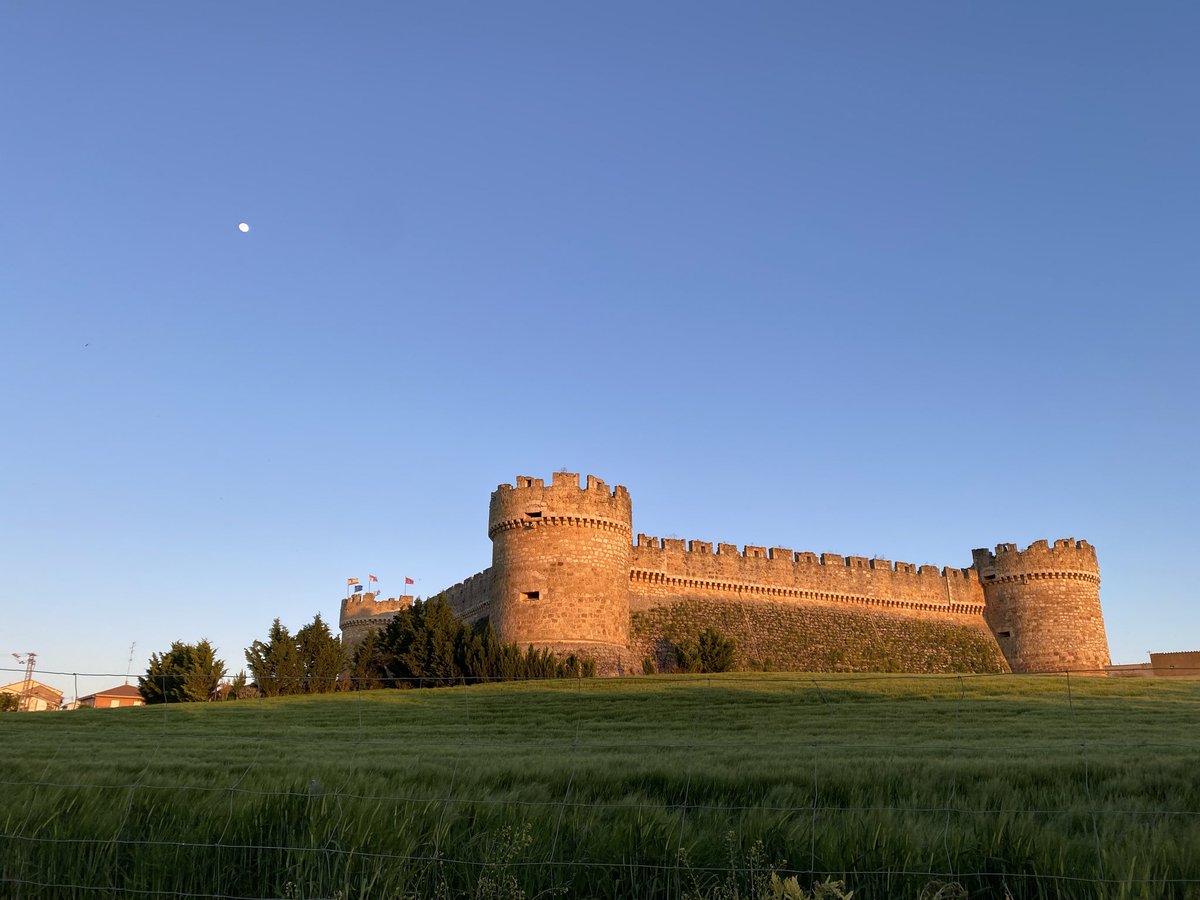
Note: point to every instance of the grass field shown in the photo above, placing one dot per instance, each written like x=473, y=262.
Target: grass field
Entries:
x=670, y=786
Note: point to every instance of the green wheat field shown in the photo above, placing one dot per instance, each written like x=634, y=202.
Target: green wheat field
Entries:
x=656, y=787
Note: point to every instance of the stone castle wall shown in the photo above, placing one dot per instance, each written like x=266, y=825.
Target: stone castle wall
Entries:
x=363, y=613
x=774, y=636
x=1043, y=605
x=561, y=557
x=567, y=576
x=666, y=570
x=471, y=599
x=799, y=610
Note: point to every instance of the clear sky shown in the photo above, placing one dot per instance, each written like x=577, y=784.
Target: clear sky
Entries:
x=878, y=279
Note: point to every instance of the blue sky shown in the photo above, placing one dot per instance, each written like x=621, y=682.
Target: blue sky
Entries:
x=863, y=278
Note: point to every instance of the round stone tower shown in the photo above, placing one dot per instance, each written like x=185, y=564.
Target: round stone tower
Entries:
x=1043, y=605
x=560, y=564
x=363, y=613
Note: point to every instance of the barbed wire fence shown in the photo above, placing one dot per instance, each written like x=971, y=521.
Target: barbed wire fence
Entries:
x=673, y=786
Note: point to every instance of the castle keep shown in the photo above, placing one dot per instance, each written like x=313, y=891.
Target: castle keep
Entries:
x=567, y=575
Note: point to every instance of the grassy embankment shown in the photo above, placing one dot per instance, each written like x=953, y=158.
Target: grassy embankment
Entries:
x=596, y=787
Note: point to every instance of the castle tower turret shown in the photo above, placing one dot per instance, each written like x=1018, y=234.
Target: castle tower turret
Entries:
x=364, y=613
x=560, y=562
x=1043, y=605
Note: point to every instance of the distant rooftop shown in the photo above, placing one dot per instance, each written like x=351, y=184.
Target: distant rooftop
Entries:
x=121, y=690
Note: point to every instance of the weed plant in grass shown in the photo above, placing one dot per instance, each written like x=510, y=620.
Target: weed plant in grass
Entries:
x=640, y=787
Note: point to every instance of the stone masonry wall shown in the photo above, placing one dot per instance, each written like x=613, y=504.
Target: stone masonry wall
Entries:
x=362, y=613
x=801, y=611
x=471, y=599
x=664, y=570
x=817, y=638
x=560, y=554
x=1043, y=604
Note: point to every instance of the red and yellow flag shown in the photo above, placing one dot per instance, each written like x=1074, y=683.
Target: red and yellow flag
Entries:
x=351, y=581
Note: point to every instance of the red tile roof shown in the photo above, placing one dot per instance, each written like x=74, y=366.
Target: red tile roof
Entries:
x=121, y=690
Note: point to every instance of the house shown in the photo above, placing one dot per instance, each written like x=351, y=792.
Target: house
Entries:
x=34, y=696
x=121, y=695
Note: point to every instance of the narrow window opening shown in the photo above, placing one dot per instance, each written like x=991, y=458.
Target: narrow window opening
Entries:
x=534, y=515
x=1004, y=633
x=989, y=577
x=531, y=595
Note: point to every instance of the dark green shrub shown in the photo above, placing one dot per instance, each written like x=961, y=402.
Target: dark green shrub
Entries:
x=687, y=657
x=716, y=651
x=186, y=673
x=712, y=652
x=428, y=646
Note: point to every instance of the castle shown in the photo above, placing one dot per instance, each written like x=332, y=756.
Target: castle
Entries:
x=566, y=575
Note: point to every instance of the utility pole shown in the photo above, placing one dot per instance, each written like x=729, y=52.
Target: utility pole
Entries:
x=129, y=665
x=26, y=699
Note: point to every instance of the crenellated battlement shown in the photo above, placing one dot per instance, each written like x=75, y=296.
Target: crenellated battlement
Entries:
x=1066, y=557
x=664, y=568
x=471, y=598
x=361, y=613
x=564, y=482
x=368, y=605
x=648, y=545
x=531, y=502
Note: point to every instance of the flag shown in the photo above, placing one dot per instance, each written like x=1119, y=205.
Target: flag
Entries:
x=351, y=581
x=409, y=581
x=372, y=578
x=357, y=588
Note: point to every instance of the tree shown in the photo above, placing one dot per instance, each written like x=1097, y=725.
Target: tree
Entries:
x=185, y=673
x=424, y=641
x=716, y=651
x=427, y=645
x=276, y=666
x=308, y=662
x=9, y=702
x=364, y=666
x=445, y=636
x=321, y=655
x=687, y=657
x=713, y=652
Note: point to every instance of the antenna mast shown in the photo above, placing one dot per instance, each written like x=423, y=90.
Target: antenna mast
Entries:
x=129, y=665
x=26, y=700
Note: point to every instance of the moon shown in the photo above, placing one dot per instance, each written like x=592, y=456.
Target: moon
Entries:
x=243, y=227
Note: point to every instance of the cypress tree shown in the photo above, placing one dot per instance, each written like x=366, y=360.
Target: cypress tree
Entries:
x=276, y=665
x=185, y=673
x=321, y=656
